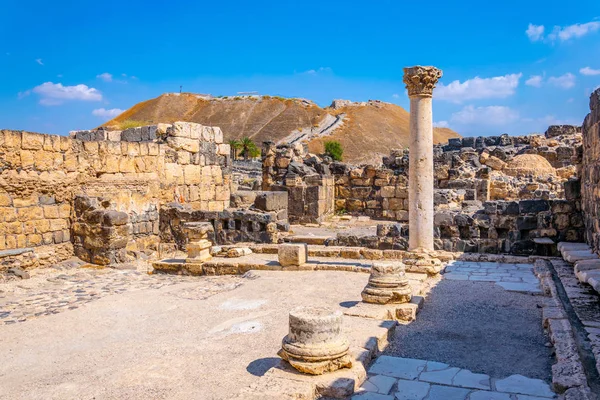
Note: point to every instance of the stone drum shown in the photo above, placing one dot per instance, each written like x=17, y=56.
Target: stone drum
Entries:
x=198, y=247
x=387, y=284
x=315, y=343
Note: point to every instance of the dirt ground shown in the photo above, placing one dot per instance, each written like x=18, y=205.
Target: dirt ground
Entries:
x=169, y=342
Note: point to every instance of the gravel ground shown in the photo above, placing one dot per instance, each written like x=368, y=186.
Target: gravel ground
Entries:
x=478, y=326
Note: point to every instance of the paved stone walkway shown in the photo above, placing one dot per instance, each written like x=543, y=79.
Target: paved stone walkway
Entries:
x=396, y=378
x=69, y=286
x=512, y=277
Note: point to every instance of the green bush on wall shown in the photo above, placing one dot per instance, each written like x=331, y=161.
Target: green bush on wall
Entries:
x=333, y=149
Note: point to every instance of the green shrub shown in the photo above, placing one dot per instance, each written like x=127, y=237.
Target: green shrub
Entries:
x=333, y=149
x=248, y=148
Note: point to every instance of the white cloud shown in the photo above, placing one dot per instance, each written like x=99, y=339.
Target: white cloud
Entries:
x=55, y=93
x=589, y=71
x=534, y=80
x=573, y=31
x=478, y=88
x=39, y=61
x=396, y=96
x=104, y=113
x=441, y=124
x=565, y=81
x=535, y=32
x=317, y=71
x=106, y=77
x=561, y=33
x=552, y=120
x=490, y=115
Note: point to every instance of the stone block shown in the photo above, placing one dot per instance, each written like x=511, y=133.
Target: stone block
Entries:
x=238, y=252
x=292, y=254
x=115, y=218
x=183, y=143
x=533, y=206
x=271, y=201
x=32, y=141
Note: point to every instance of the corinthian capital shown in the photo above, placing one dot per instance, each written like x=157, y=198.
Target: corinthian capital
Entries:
x=420, y=81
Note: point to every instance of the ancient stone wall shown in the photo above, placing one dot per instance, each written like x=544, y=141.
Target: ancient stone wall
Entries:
x=466, y=170
x=368, y=190
x=308, y=181
x=510, y=227
x=590, y=174
x=137, y=169
x=259, y=217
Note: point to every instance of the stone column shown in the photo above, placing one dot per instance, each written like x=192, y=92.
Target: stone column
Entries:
x=198, y=246
x=315, y=343
x=420, y=82
x=387, y=284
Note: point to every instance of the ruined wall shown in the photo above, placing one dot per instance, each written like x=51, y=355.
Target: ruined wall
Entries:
x=308, y=181
x=590, y=173
x=520, y=228
x=467, y=170
x=367, y=190
x=258, y=217
x=40, y=176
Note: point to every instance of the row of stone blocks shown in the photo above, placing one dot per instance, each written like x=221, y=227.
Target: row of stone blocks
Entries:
x=587, y=262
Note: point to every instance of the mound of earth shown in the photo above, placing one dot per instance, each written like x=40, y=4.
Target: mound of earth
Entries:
x=366, y=130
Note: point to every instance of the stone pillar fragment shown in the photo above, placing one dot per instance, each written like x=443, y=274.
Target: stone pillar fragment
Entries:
x=420, y=82
x=198, y=247
x=315, y=343
x=387, y=284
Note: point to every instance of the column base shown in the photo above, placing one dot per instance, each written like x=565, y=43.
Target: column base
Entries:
x=423, y=262
x=316, y=367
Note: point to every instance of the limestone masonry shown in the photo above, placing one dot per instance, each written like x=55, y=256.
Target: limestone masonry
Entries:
x=503, y=232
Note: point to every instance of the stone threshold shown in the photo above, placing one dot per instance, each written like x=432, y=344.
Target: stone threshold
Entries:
x=15, y=252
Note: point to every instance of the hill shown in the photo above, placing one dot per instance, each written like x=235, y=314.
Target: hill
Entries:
x=365, y=130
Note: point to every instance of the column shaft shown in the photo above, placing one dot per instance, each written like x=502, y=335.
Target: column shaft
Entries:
x=420, y=182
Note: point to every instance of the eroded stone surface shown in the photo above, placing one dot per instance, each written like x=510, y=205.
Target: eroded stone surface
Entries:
x=315, y=343
x=292, y=254
x=387, y=284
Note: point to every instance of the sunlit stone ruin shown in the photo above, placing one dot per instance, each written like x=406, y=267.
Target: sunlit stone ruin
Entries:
x=135, y=264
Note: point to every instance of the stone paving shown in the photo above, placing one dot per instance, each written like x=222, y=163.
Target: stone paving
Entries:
x=396, y=378
x=512, y=277
x=70, y=285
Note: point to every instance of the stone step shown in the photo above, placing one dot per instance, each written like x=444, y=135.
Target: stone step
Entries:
x=573, y=256
x=572, y=246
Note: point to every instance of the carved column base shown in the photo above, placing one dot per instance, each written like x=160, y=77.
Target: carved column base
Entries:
x=387, y=284
x=423, y=262
x=315, y=344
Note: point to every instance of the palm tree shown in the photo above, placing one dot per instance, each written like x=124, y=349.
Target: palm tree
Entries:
x=248, y=148
x=235, y=147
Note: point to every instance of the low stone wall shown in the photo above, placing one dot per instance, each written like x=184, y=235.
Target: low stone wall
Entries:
x=501, y=227
x=230, y=226
x=590, y=172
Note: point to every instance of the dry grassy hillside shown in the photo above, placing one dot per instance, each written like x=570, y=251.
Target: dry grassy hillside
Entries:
x=367, y=132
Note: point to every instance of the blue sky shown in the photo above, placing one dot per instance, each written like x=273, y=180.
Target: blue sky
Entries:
x=510, y=66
